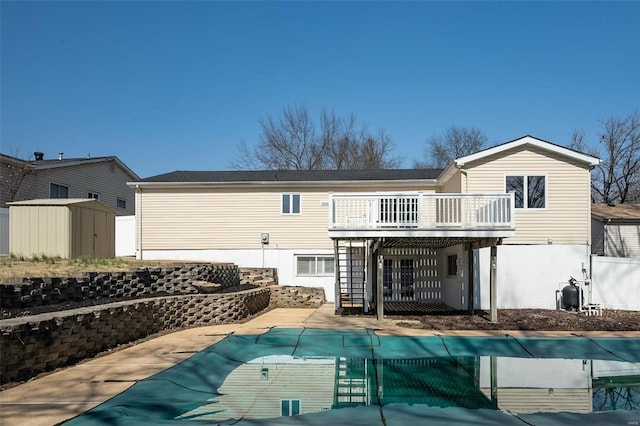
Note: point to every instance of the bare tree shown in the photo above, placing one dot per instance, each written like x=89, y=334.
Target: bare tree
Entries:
x=617, y=179
x=294, y=142
x=456, y=142
x=17, y=177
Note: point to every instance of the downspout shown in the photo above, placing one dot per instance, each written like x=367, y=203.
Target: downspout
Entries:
x=139, y=220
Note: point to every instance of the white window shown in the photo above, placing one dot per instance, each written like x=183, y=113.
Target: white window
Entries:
x=58, y=191
x=93, y=195
x=314, y=266
x=121, y=203
x=290, y=204
x=530, y=191
x=289, y=407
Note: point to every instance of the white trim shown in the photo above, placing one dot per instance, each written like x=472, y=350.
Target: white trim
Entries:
x=528, y=140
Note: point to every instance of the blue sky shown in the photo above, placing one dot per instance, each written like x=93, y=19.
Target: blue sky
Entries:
x=178, y=85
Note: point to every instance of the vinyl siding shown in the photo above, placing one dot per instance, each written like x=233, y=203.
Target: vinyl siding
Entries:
x=100, y=178
x=454, y=184
x=529, y=400
x=566, y=218
x=622, y=240
x=200, y=219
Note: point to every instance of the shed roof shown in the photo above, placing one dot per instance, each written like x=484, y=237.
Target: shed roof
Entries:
x=616, y=212
x=64, y=202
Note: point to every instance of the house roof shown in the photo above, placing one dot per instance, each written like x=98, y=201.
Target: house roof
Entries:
x=616, y=212
x=272, y=176
x=69, y=162
x=88, y=202
x=532, y=141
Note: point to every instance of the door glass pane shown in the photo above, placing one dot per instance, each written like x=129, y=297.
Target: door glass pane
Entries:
x=406, y=277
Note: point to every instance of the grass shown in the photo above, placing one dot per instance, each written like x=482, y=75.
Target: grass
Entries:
x=13, y=269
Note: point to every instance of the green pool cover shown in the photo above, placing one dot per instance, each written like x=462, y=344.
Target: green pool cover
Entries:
x=355, y=377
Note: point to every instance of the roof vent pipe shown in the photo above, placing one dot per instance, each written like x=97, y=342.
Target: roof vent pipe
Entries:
x=60, y=155
x=38, y=155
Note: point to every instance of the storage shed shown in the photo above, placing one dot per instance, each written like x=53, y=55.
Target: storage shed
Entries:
x=615, y=230
x=61, y=227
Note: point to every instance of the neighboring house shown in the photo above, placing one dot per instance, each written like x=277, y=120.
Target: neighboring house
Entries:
x=100, y=178
x=615, y=230
x=381, y=236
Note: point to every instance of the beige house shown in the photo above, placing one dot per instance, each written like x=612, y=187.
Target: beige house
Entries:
x=615, y=230
x=385, y=237
x=100, y=178
x=66, y=228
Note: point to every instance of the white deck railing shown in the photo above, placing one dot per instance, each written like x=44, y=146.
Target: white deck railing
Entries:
x=421, y=211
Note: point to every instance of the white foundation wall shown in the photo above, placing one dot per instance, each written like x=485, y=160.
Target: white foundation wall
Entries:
x=283, y=260
x=616, y=282
x=529, y=276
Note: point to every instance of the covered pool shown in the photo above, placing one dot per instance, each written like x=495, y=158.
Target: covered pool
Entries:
x=356, y=377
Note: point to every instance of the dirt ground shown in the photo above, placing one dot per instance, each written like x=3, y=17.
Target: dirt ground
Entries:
x=528, y=319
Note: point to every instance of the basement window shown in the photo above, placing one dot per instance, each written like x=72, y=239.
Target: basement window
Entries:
x=314, y=266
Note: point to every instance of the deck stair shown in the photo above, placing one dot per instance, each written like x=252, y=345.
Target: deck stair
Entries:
x=351, y=274
x=352, y=387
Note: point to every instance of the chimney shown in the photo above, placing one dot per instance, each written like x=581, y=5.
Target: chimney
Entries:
x=60, y=155
x=38, y=155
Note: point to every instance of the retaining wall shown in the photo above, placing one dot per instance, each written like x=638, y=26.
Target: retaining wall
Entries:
x=141, y=283
x=38, y=343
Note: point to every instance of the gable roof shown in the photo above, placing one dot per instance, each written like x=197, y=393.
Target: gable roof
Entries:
x=532, y=141
x=616, y=212
x=273, y=176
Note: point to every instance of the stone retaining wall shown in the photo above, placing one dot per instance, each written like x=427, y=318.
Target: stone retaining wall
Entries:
x=38, y=343
x=296, y=297
x=145, y=282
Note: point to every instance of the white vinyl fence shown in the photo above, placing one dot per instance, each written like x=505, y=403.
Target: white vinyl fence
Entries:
x=4, y=231
x=125, y=235
x=616, y=282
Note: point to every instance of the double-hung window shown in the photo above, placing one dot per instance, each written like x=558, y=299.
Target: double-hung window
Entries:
x=290, y=204
x=530, y=191
x=58, y=191
x=314, y=266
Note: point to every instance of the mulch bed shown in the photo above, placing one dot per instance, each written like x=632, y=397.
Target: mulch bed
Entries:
x=525, y=319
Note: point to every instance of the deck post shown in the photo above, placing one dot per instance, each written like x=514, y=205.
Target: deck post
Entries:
x=493, y=290
x=336, y=253
x=379, y=285
x=470, y=280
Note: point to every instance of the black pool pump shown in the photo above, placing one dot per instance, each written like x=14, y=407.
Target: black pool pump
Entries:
x=571, y=295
